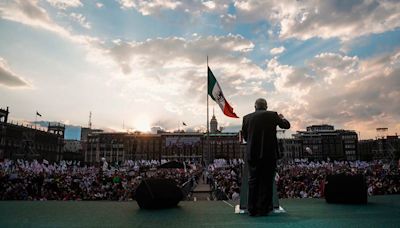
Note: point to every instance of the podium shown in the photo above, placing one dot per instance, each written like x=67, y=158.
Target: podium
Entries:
x=244, y=189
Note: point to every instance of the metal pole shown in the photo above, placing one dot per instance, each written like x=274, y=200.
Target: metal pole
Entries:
x=208, y=127
x=36, y=118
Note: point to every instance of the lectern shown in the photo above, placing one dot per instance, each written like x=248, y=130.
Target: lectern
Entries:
x=244, y=189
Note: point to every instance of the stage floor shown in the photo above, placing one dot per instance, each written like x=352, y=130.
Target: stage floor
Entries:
x=381, y=211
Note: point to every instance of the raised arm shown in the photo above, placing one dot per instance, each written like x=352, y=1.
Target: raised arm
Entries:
x=282, y=122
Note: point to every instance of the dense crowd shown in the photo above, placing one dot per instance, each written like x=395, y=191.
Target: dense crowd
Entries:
x=67, y=180
x=225, y=178
x=303, y=179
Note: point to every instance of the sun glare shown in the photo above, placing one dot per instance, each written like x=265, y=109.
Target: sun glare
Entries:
x=143, y=125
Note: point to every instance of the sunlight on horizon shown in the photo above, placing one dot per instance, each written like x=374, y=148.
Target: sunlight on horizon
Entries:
x=142, y=124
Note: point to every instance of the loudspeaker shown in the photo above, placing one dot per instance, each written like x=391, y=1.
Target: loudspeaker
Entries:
x=158, y=193
x=346, y=189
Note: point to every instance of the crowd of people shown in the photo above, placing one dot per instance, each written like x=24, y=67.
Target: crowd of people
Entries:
x=67, y=180
x=225, y=178
x=304, y=179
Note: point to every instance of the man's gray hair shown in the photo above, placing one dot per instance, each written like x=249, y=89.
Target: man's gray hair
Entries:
x=261, y=103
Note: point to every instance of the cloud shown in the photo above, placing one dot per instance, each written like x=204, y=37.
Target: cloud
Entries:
x=331, y=66
x=277, y=50
x=126, y=4
x=189, y=14
x=147, y=8
x=156, y=7
x=64, y=4
x=79, y=18
x=228, y=19
x=159, y=69
x=8, y=78
x=314, y=18
x=300, y=78
x=293, y=19
x=182, y=61
x=99, y=4
x=289, y=83
x=330, y=88
x=341, y=90
x=31, y=14
x=177, y=52
x=170, y=71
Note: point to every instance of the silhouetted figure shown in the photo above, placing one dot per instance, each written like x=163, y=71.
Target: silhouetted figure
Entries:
x=259, y=131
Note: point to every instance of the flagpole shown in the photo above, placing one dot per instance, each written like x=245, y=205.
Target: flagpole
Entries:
x=36, y=118
x=208, y=127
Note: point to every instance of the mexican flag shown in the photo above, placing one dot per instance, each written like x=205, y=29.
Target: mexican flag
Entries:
x=215, y=92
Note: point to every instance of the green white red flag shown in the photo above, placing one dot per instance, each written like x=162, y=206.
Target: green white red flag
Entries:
x=215, y=92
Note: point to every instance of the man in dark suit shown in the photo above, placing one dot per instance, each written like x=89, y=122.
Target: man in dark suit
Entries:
x=259, y=131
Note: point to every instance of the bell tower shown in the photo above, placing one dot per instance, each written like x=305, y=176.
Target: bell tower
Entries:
x=213, y=124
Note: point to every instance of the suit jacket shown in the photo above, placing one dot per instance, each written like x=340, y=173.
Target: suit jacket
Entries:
x=259, y=131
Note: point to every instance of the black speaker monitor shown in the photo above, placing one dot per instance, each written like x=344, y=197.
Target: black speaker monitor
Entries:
x=158, y=193
x=348, y=189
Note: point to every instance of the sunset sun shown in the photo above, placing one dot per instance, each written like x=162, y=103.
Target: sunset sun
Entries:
x=143, y=125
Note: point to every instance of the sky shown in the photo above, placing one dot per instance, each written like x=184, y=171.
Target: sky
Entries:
x=142, y=65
